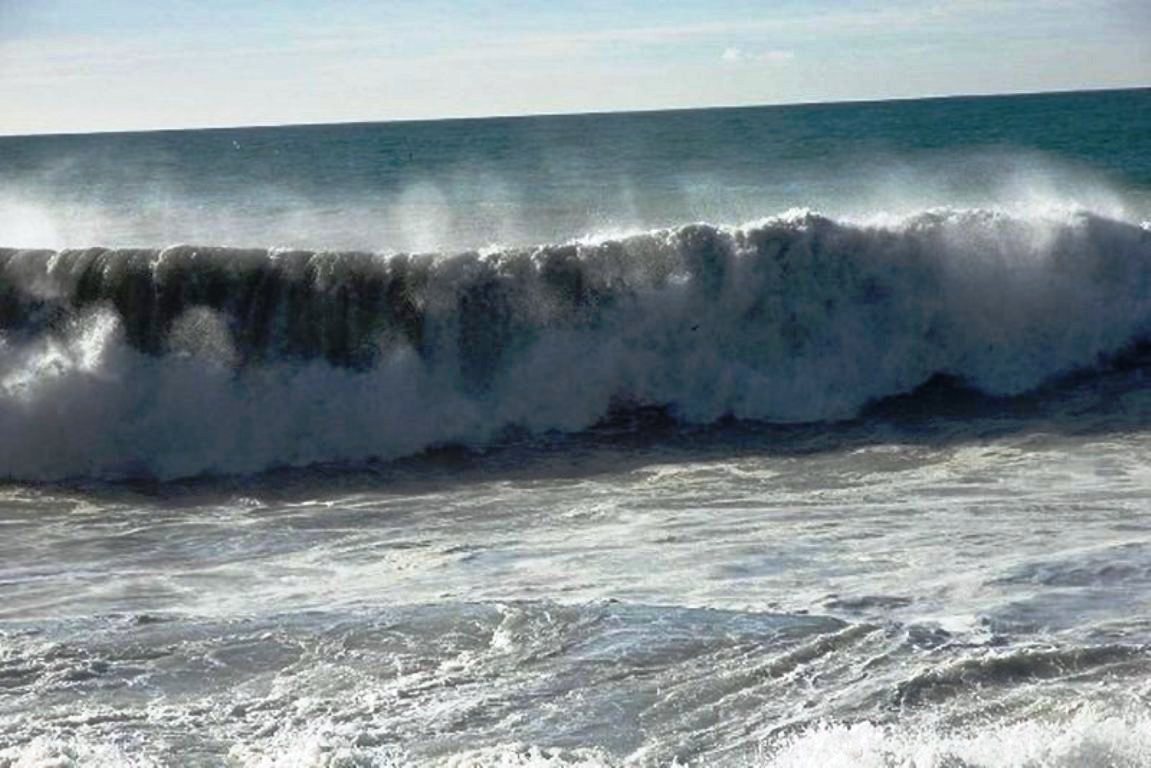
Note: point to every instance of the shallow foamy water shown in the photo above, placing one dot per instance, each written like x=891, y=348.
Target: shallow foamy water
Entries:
x=899, y=591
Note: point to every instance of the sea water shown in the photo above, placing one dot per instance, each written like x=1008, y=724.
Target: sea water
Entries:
x=786, y=436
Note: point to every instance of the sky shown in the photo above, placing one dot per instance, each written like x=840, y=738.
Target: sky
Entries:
x=96, y=65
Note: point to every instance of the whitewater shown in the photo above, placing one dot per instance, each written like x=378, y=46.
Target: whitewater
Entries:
x=776, y=437
x=107, y=353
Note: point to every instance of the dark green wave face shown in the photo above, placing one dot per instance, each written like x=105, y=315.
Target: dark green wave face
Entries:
x=800, y=318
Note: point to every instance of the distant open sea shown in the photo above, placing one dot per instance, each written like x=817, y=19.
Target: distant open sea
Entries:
x=784, y=436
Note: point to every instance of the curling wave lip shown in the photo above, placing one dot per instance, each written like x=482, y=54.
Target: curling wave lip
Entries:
x=112, y=357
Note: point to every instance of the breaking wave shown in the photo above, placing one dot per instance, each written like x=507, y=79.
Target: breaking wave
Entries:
x=1089, y=737
x=189, y=360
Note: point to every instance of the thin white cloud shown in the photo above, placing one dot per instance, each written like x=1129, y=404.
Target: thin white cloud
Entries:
x=734, y=55
x=86, y=57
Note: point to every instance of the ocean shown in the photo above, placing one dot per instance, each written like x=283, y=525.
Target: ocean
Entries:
x=782, y=436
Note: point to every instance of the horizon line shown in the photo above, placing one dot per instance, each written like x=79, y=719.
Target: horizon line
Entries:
x=587, y=113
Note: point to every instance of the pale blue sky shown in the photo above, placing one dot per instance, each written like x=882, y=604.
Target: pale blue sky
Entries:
x=86, y=65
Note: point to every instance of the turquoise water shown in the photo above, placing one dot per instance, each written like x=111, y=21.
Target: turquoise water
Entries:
x=472, y=183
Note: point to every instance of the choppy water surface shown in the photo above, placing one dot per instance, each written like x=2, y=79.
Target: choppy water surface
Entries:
x=970, y=589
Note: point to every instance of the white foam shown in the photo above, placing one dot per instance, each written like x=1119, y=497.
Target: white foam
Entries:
x=797, y=318
x=321, y=744
x=71, y=752
x=1088, y=738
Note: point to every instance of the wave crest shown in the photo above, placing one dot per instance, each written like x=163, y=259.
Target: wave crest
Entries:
x=197, y=359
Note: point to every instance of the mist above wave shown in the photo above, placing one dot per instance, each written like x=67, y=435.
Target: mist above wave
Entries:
x=187, y=360
x=146, y=196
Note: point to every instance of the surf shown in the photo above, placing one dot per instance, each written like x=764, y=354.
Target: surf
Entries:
x=188, y=360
